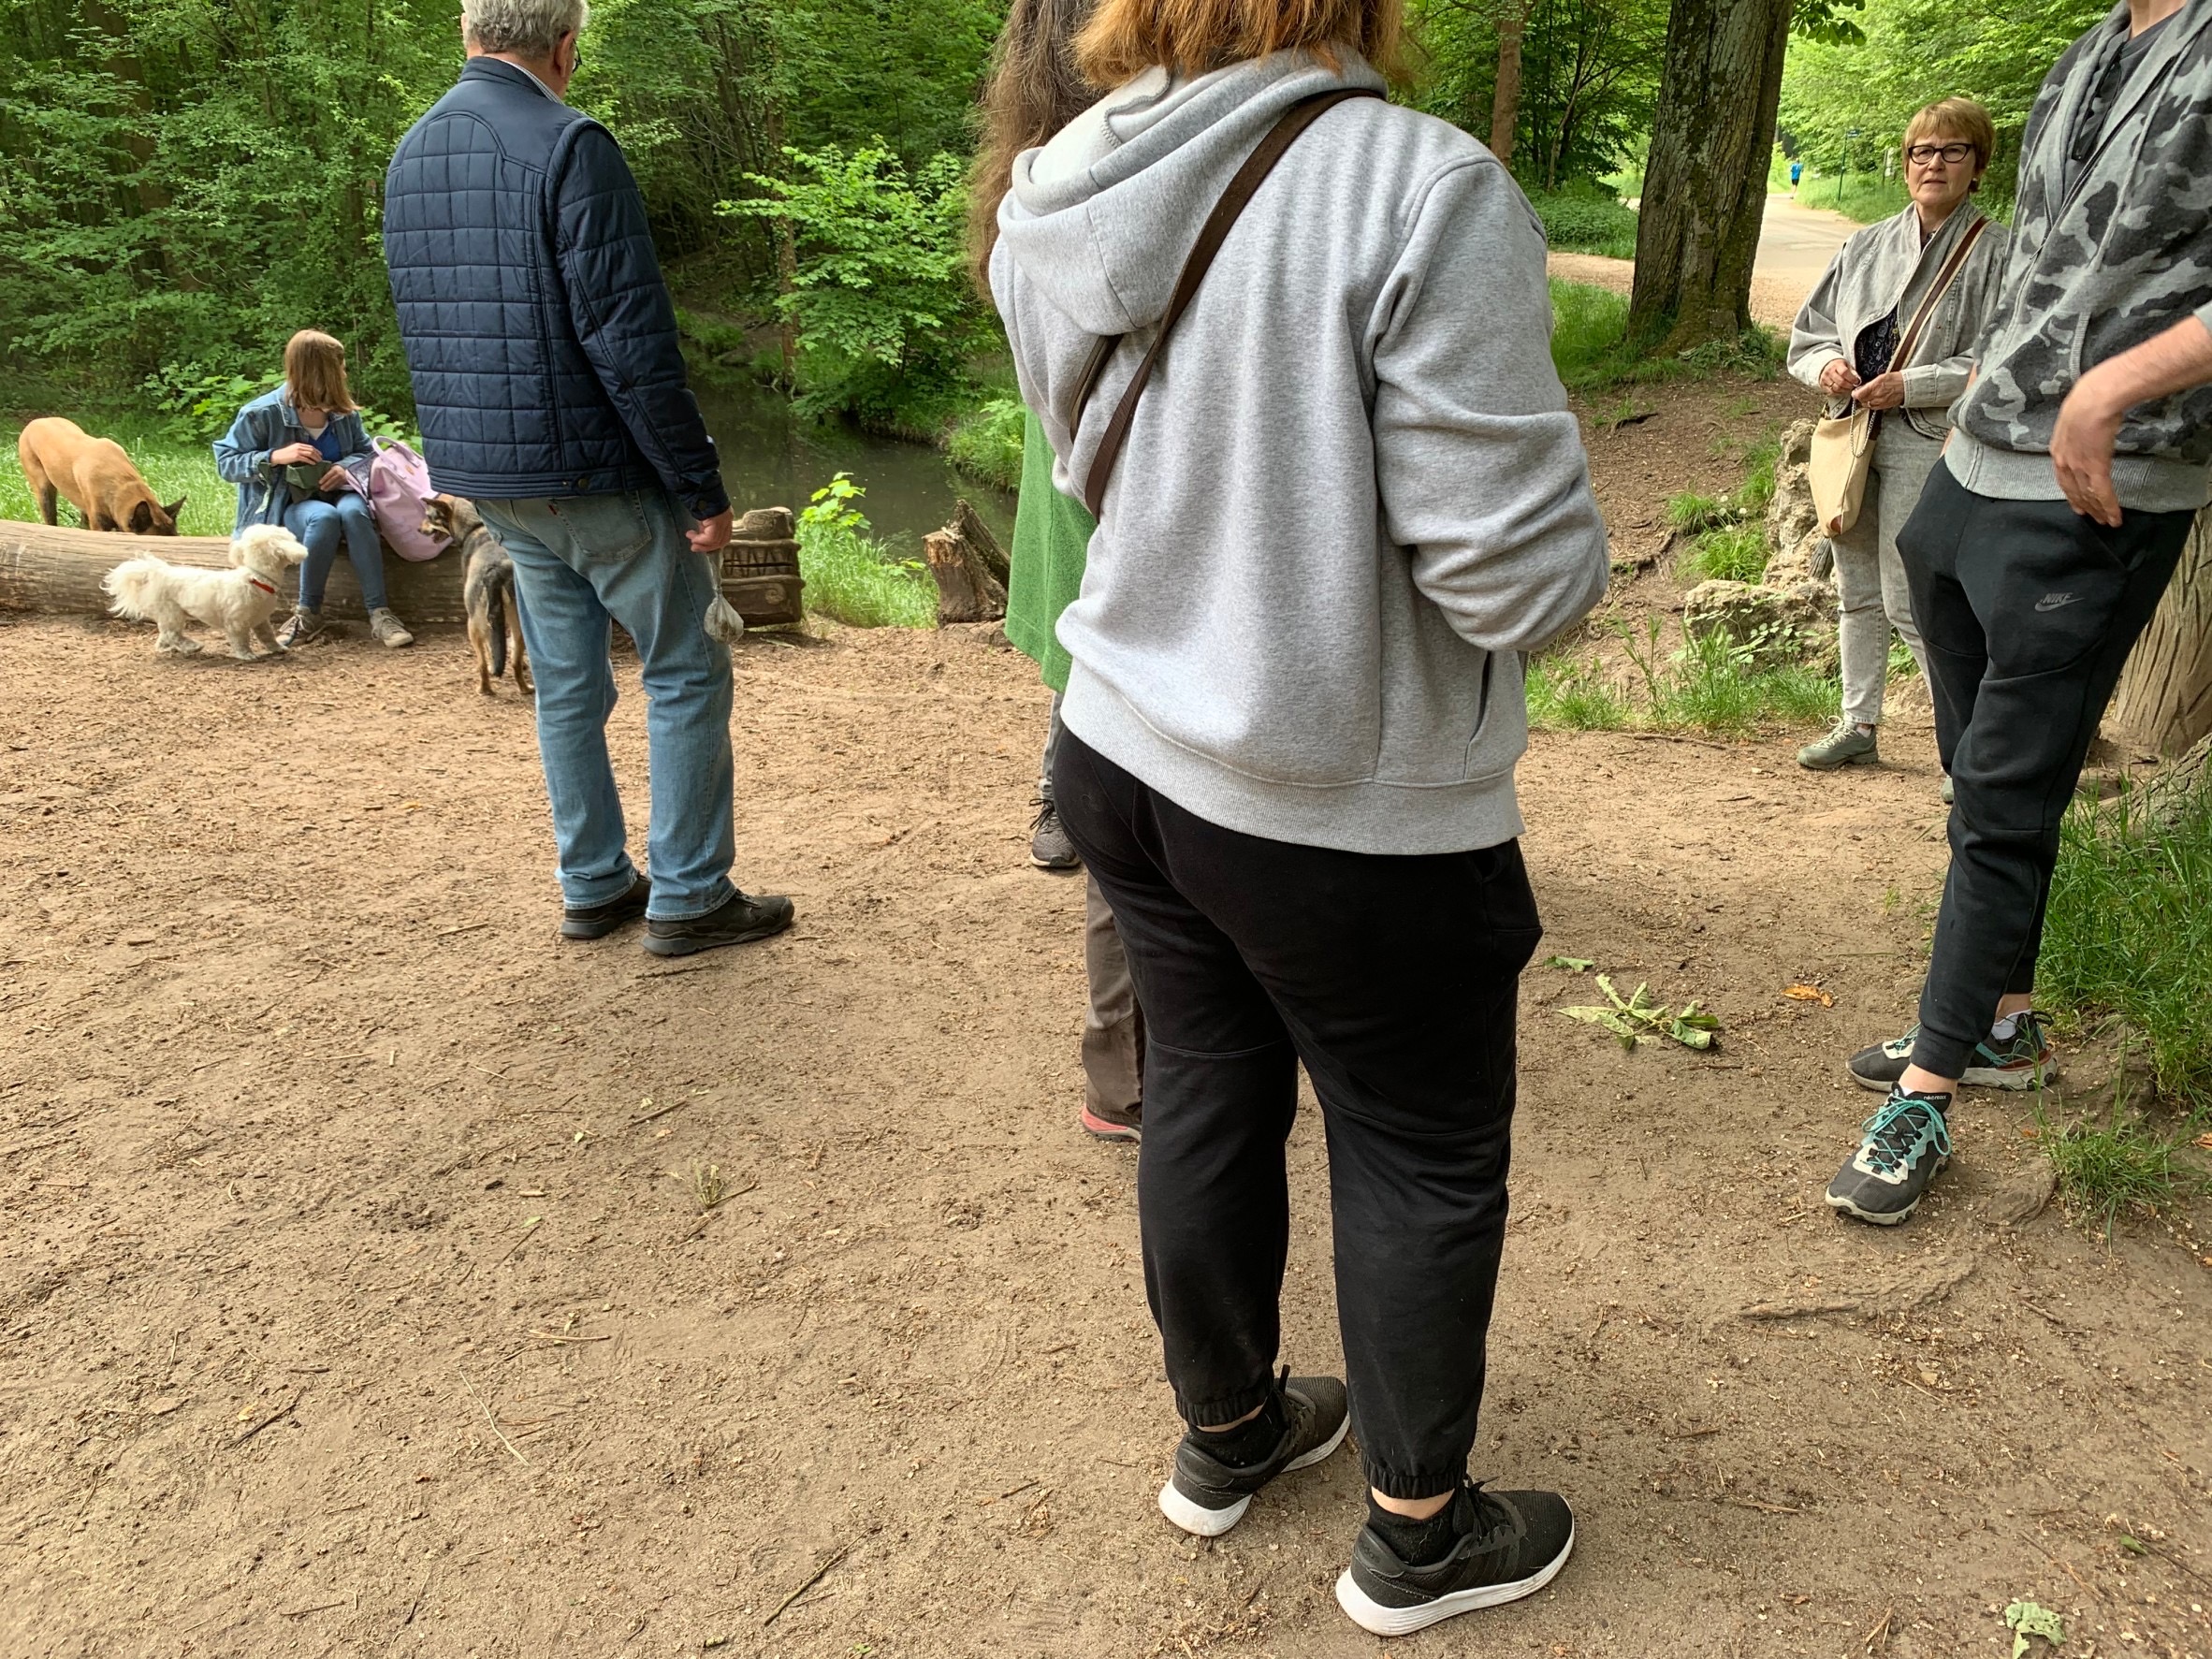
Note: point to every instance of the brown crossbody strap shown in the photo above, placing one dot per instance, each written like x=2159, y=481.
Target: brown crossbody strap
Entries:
x=1945, y=278
x=1261, y=162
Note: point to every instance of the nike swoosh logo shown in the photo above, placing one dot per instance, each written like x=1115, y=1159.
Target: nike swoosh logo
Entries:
x=2051, y=602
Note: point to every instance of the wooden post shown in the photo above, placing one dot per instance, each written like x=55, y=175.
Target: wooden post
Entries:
x=969, y=567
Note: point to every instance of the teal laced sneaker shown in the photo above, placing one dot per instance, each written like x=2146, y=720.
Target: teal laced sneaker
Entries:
x=1906, y=1143
x=2022, y=1061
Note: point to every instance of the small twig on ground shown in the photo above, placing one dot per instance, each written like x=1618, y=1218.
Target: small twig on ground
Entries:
x=1880, y=1631
x=283, y=1411
x=490, y=1419
x=699, y=1226
x=1678, y=738
x=464, y=927
x=555, y=1336
x=1794, y=1310
x=529, y=1228
x=1011, y=1490
x=812, y=1579
x=660, y=1112
x=319, y=1607
x=663, y=973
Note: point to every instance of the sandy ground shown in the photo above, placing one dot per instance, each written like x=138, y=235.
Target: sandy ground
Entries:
x=357, y=1297
x=1795, y=244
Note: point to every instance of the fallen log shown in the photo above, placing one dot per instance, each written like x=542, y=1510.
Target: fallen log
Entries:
x=55, y=570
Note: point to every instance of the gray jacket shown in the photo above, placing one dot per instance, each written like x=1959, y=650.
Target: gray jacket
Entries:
x=1354, y=492
x=1883, y=268
x=2101, y=267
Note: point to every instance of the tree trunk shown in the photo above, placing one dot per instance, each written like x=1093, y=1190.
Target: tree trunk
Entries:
x=969, y=524
x=967, y=590
x=1504, y=102
x=2163, y=702
x=1704, y=187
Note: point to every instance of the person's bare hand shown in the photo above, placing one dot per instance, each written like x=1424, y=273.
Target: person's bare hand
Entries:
x=1884, y=391
x=294, y=455
x=712, y=535
x=1838, y=378
x=2081, y=450
x=336, y=478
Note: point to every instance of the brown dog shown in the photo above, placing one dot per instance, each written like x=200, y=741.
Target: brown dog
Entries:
x=95, y=477
x=487, y=589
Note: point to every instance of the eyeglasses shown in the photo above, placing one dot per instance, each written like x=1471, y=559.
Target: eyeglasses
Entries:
x=1921, y=154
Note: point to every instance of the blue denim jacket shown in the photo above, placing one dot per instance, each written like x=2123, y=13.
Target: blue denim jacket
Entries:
x=268, y=423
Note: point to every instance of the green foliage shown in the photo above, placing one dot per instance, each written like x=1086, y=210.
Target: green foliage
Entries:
x=879, y=293
x=2128, y=937
x=1589, y=73
x=2119, y=1166
x=1703, y=685
x=171, y=467
x=1694, y=510
x=1733, y=553
x=987, y=444
x=849, y=576
x=1586, y=217
x=1911, y=54
x=1590, y=349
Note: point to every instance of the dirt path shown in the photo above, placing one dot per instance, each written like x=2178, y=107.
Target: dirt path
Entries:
x=1795, y=244
x=357, y=1297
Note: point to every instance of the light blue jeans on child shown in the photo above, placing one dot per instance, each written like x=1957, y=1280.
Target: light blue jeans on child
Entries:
x=580, y=562
x=320, y=525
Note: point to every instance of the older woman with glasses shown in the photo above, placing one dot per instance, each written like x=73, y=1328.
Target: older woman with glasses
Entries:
x=1845, y=342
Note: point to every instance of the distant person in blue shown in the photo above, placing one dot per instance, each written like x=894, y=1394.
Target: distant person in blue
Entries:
x=1796, y=172
x=551, y=393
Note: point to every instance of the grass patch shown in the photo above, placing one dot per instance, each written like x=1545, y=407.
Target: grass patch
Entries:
x=171, y=469
x=851, y=576
x=1868, y=198
x=1731, y=553
x=1590, y=349
x=1712, y=685
x=2118, y=1166
x=1730, y=541
x=1586, y=219
x=986, y=442
x=2128, y=937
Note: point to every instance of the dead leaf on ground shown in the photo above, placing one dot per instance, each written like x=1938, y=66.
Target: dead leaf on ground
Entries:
x=1809, y=993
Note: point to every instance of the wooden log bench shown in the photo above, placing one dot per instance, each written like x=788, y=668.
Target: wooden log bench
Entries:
x=55, y=570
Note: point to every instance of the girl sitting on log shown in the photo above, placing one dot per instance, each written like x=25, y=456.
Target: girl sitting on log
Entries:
x=300, y=457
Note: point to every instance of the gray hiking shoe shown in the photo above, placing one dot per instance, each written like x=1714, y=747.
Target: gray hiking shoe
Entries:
x=387, y=629
x=2022, y=1061
x=1903, y=1145
x=1048, y=847
x=1846, y=744
x=303, y=624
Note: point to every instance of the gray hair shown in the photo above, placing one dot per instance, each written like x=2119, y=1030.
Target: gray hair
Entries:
x=529, y=28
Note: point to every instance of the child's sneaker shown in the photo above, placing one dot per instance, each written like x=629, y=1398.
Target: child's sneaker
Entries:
x=1906, y=1144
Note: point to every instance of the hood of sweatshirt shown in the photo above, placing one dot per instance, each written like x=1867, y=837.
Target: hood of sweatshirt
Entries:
x=1101, y=217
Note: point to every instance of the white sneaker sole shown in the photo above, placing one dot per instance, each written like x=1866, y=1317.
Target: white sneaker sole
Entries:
x=1981, y=1077
x=1376, y=1619
x=1884, y=1217
x=1202, y=1522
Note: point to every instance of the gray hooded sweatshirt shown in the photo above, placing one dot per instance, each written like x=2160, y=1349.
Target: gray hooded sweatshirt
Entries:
x=1353, y=495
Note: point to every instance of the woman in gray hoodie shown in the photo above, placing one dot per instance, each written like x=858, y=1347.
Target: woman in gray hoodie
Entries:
x=1350, y=501
x=1844, y=342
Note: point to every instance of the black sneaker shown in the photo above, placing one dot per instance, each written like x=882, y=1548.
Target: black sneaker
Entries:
x=1906, y=1143
x=2022, y=1061
x=1048, y=847
x=737, y=920
x=1509, y=1544
x=1206, y=1496
x=598, y=921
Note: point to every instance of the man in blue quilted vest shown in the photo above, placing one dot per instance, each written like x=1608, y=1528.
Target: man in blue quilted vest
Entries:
x=551, y=393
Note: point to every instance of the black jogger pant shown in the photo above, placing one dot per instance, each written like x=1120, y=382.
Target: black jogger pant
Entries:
x=1393, y=980
x=2029, y=611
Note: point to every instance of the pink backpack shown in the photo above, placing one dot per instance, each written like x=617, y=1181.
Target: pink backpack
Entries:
x=398, y=487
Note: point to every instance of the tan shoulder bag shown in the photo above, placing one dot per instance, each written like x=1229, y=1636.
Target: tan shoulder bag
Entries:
x=1844, y=444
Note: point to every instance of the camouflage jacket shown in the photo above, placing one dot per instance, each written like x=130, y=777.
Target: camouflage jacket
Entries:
x=2100, y=268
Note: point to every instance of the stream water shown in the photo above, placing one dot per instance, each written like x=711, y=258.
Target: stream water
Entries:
x=772, y=459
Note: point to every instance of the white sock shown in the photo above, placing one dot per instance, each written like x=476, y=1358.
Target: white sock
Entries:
x=2004, y=1030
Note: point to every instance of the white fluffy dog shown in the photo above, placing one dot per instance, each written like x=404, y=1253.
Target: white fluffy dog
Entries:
x=239, y=601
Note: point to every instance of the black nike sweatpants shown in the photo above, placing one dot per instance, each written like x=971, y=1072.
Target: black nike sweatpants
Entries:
x=1393, y=979
x=2029, y=611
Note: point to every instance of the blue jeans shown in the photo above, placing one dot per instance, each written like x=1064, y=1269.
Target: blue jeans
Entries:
x=318, y=525
x=580, y=561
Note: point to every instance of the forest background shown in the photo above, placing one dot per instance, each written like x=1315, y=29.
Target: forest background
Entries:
x=183, y=183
